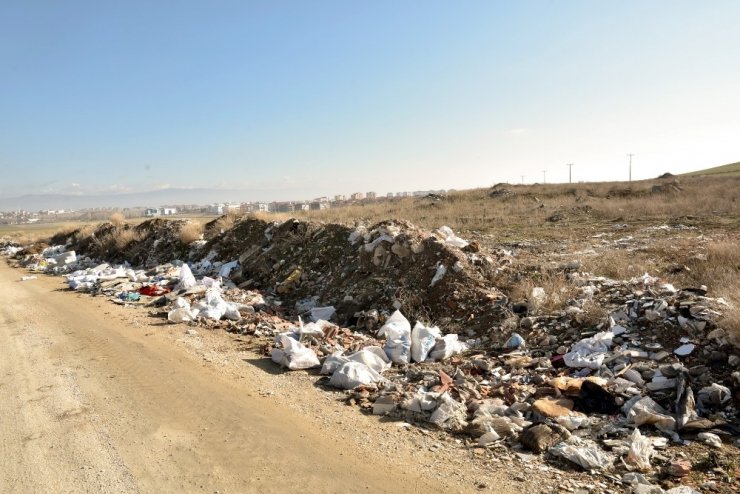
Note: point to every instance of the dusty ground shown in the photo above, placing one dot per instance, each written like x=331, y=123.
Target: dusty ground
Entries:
x=96, y=398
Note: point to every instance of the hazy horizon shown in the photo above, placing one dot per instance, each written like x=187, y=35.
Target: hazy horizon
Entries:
x=300, y=100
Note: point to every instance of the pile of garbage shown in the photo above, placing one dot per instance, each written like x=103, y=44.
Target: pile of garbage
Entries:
x=406, y=323
x=436, y=275
x=657, y=375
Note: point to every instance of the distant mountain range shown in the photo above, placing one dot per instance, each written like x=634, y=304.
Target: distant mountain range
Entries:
x=173, y=196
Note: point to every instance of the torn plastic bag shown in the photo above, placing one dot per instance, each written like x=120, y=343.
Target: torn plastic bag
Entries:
x=353, y=374
x=585, y=454
x=446, y=347
x=640, y=452
x=322, y=313
x=450, y=414
x=187, y=280
x=225, y=270
x=294, y=355
x=647, y=411
x=397, y=331
x=589, y=352
x=423, y=339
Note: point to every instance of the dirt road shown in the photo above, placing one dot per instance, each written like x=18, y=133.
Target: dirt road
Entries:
x=90, y=404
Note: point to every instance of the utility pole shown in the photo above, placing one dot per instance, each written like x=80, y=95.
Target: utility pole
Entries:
x=630, y=156
x=544, y=178
x=570, y=172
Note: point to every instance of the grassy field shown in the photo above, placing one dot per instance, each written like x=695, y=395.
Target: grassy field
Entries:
x=731, y=169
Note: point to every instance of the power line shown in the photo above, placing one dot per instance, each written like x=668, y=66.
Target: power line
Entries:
x=570, y=172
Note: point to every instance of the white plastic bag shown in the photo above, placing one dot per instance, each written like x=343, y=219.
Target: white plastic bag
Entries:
x=293, y=354
x=423, y=339
x=397, y=331
x=353, y=374
x=187, y=280
x=446, y=347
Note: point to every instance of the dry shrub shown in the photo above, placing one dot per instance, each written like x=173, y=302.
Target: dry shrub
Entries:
x=619, y=264
x=84, y=232
x=721, y=273
x=190, y=232
x=226, y=222
x=117, y=219
x=558, y=290
x=124, y=237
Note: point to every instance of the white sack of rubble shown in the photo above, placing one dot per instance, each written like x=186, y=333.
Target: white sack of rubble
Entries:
x=187, y=280
x=423, y=339
x=446, y=347
x=353, y=374
x=397, y=331
x=589, y=352
x=372, y=356
x=293, y=354
x=450, y=238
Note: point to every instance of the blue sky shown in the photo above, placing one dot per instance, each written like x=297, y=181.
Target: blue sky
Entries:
x=301, y=99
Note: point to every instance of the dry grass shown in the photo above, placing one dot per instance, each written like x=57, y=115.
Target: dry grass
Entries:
x=190, y=232
x=117, y=219
x=226, y=222
x=530, y=206
x=123, y=238
x=558, y=290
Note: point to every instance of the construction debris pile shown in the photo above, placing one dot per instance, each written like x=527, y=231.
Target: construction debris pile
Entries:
x=623, y=398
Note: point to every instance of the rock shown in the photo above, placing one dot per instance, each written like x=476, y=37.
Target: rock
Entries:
x=553, y=408
x=540, y=437
x=709, y=438
x=679, y=468
x=684, y=350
